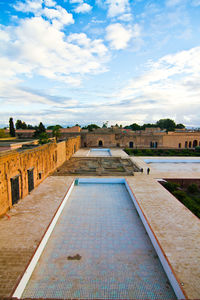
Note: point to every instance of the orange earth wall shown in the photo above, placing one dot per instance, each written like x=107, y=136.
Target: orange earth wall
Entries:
x=43, y=160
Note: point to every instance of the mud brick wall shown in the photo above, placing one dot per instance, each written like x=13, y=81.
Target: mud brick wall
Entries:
x=41, y=160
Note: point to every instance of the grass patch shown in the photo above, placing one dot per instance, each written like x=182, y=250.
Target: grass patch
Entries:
x=189, y=196
x=163, y=152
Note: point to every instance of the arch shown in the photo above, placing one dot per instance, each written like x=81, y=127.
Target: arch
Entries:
x=179, y=145
x=100, y=143
x=190, y=144
x=131, y=144
x=151, y=144
x=186, y=144
x=195, y=143
x=155, y=144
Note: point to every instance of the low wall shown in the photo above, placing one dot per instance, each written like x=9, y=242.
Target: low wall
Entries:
x=39, y=162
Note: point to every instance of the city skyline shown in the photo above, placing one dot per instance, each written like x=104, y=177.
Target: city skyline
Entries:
x=76, y=61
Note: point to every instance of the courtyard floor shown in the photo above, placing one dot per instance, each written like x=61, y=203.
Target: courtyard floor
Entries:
x=175, y=227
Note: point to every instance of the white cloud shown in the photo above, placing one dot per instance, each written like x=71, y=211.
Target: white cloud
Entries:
x=118, y=36
x=83, y=8
x=117, y=7
x=171, y=85
x=38, y=46
x=50, y=3
x=29, y=6
x=125, y=17
x=57, y=15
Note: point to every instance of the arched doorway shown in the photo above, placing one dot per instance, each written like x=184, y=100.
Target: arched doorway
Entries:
x=186, y=144
x=151, y=145
x=195, y=143
x=130, y=144
x=179, y=145
x=100, y=143
x=190, y=144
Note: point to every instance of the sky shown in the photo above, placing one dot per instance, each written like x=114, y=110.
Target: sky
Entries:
x=91, y=61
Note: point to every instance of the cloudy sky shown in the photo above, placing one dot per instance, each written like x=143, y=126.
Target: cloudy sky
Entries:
x=89, y=61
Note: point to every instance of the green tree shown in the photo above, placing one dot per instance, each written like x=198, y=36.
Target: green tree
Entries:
x=135, y=126
x=180, y=126
x=40, y=129
x=43, y=138
x=167, y=124
x=90, y=127
x=51, y=127
x=11, y=127
x=18, y=124
x=56, y=132
x=31, y=126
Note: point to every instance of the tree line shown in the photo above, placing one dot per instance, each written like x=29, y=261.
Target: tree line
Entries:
x=40, y=130
x=163, y=124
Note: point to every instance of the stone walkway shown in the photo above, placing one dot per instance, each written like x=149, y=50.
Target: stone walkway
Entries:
x=21, y=233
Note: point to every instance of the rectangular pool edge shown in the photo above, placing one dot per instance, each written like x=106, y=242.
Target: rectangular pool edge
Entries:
x=162, y=257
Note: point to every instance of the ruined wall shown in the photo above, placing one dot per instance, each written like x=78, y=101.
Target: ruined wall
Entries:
x=141, y=139
x=39, y=161
x=181, y=140
x=92, y=139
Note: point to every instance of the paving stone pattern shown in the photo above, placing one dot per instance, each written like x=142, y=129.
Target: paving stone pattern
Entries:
x=20, y=235
x=99, y=249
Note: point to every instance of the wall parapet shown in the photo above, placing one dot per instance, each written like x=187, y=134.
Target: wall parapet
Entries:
x=21, y=171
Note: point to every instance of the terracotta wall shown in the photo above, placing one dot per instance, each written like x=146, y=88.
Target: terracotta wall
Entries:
x=41, y=160
x=179, y=140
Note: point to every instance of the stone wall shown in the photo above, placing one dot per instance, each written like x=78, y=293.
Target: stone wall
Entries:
x=181, y=140
x=140, y=139
x=39, y=161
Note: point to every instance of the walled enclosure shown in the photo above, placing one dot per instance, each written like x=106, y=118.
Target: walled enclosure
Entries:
x=141, y=139
x=41, y=161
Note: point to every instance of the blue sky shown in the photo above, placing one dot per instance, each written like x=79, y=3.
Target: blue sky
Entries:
x=86, y=61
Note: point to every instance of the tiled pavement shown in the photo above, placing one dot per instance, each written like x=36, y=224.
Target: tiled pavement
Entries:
x=176, y=228
x=20, y=235
x=100, y=224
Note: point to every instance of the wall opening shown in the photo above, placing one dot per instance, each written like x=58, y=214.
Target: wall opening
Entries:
x=195, y=143
x=100, y=143
x=190, y=144
x=179, y=145
x=130, y=144
x=30, y=180
x=186, y=144
x=15, y=189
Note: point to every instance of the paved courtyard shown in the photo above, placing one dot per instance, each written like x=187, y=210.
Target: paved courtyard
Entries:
x=175, y=227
